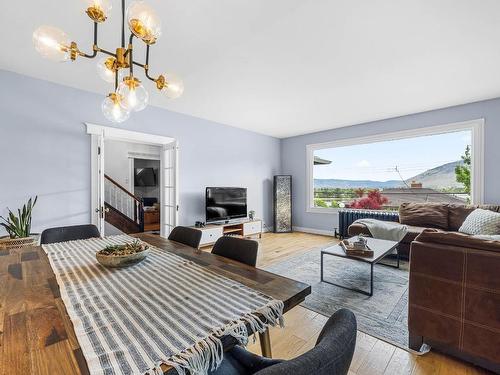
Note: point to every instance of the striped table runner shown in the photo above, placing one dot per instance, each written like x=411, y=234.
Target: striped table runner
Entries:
x=164, y=310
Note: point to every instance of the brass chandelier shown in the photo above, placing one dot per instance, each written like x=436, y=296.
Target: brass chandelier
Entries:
x=129, y=94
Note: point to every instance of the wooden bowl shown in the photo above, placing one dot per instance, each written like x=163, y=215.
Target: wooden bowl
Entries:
x=118, y=261
x=121, y=260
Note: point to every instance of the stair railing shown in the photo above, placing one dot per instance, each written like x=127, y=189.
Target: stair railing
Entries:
x=124, y=201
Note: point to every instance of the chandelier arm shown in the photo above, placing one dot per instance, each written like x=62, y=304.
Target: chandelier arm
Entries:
x=123, y=23
x=116, y=80
x=139, y=64
x=130, y=51
x=146, y=66
x=95, y=48
x=131, y=64
x=106, y=52
x=130, y=41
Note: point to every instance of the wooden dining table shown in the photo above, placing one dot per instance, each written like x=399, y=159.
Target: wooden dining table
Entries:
x=36, y=333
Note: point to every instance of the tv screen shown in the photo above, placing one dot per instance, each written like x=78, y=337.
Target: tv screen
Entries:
x=223, y=203
x=145, y=177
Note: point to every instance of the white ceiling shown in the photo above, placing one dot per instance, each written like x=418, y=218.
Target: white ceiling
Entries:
x=288, y=67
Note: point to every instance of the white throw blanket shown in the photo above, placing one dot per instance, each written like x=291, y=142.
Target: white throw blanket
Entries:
x=384, y=230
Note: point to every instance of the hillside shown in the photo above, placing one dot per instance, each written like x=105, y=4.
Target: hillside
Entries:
x=441, y=176
x=352, y=184
x=444, y=175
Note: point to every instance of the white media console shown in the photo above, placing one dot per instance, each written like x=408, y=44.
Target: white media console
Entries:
x=246, y=228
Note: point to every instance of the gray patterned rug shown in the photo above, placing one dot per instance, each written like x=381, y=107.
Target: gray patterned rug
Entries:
x=384, y=315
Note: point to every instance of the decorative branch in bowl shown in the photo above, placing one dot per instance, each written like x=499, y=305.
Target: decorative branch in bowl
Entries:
x=123, y=255
x=18, y=227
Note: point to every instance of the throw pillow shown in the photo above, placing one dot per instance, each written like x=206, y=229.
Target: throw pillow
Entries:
x=458, y=213
x=483, y=222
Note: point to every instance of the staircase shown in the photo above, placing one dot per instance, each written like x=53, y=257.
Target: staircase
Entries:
x=123, y=209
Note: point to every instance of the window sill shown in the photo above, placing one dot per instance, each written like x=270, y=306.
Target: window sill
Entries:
x=322, y=210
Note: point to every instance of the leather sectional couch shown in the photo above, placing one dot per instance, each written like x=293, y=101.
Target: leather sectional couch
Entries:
x=454, y=288
x=420, y=216
x=454, y=296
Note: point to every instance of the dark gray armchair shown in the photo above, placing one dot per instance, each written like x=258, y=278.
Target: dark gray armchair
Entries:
x=332, y=354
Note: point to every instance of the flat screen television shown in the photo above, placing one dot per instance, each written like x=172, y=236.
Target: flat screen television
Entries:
x=225, y=203
x=146, y=177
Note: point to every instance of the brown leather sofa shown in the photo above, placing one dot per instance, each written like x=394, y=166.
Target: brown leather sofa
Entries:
x=454, y=289
x=454, y=296
x=420, y=216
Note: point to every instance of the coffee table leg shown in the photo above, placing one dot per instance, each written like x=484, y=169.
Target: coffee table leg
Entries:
x=371, y=279
x=370, y=293
x=321, y=262
x=391, y=265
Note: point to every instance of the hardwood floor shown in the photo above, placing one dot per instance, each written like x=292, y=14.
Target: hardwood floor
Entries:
x=372, y=356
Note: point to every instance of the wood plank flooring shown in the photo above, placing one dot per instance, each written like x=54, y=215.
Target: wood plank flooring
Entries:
x=372, y=356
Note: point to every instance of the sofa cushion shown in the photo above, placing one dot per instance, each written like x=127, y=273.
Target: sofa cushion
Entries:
x=458, y=212
x=428, y=215
x=481, y=221
x=457, y=239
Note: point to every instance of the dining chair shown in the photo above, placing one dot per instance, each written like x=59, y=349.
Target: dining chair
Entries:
x=239, y=249
x=332, y=354
x=70, y=233
x=187, y=236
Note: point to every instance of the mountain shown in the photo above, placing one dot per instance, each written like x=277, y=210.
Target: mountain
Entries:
x=441, y=176
x=352, y=184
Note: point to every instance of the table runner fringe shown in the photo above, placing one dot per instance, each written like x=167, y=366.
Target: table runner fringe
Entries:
x=207, y=354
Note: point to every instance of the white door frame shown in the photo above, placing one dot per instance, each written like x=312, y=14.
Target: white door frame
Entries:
x=98, y=132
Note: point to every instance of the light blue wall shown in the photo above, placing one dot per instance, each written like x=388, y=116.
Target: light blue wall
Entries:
x=293, y=151
x=45, y=151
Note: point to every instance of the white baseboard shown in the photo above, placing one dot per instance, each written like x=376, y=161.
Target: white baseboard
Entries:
x=324, y=232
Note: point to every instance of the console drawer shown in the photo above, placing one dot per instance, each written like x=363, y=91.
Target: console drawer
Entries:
x=210, y=235
x=253, y=227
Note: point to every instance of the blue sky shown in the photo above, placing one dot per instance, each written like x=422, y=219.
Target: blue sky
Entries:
x=377, y=161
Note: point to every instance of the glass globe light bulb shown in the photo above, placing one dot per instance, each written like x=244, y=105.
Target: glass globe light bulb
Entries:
x=106, y=72
x=105, y=69
x=98, y=10
x=143, y=21
x=135, y=97
x=174, y=87
x=112, y=109
x=52, y=43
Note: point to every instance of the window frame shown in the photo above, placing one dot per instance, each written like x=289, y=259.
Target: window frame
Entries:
x=476, y=127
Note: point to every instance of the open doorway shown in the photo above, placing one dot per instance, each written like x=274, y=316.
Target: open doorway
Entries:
x=147, y=177
x=132, y=177
x=134, y=181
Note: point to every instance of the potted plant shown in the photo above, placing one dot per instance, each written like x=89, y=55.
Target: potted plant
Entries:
x=18, y=227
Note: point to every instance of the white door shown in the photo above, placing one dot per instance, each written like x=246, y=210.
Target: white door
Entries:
x=170, y=192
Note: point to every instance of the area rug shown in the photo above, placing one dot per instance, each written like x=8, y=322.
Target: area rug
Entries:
x=384, y=315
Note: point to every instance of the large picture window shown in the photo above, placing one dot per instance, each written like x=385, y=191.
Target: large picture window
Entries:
x=437, y=164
